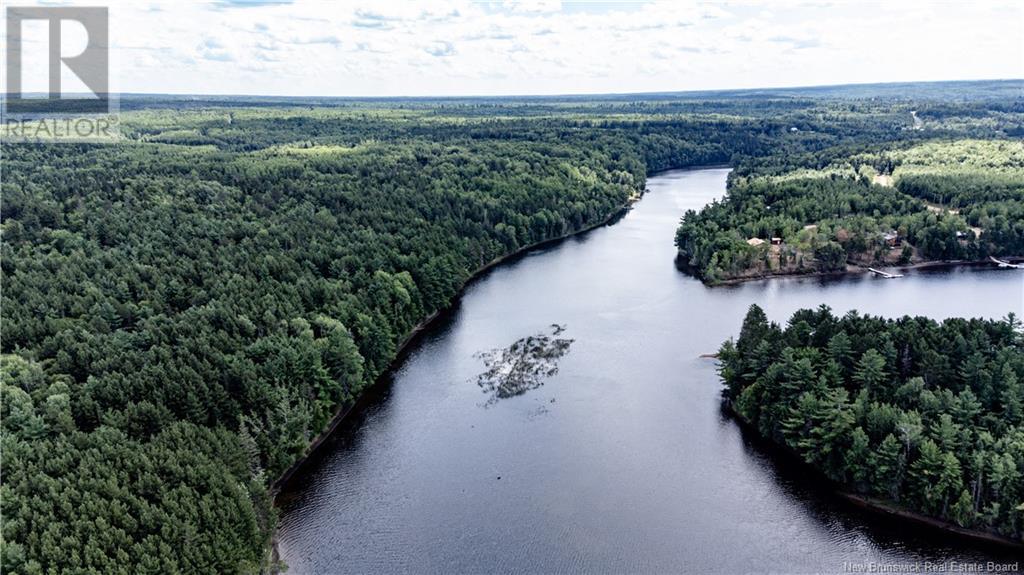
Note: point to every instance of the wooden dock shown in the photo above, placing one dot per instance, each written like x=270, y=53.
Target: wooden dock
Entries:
x=885, y=275
x=1005, y=264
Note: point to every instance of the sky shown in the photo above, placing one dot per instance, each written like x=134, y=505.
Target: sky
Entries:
x=450, y=48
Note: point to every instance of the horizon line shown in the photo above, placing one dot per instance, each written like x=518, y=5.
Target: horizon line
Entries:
x=581, y=95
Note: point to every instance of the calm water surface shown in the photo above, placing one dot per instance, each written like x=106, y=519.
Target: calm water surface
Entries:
x=620, y=462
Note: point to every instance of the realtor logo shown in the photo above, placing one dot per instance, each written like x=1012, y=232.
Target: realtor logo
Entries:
x=91, y=66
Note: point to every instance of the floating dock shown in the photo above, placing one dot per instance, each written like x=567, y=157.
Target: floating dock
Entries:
x=1004, y=264
x=885, y=275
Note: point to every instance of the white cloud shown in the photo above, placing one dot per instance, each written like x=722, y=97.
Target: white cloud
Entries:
x=383, y=48
x=533, y=5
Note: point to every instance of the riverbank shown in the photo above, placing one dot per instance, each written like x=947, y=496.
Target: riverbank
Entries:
x=419, y=328
x=874, y=505
x=881, y=506
x=410, y=337
x=406, y=344
x=854, y=269
x=409, y=481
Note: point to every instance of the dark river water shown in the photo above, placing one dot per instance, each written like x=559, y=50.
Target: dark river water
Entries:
x=622, y=460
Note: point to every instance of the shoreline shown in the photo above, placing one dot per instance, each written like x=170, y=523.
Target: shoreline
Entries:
x=875, y=505
x=885, y=507
x=407, y=344
x=857, y=269
x=274, y=488
x=404, y=345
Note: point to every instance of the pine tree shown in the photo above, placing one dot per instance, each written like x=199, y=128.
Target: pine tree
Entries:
x=857, y=459
x=870, y=370
x=887, y=475
x=963, y=510
x=1012, y=396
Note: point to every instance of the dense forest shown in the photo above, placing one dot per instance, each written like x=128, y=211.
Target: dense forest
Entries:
x=185, y=309
x=929, y=415
x=939, y=200
x=180, y=322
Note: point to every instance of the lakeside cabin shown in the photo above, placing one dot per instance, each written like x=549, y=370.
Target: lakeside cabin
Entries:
x=892, y=238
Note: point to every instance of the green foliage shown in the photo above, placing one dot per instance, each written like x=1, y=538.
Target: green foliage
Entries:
x=947, y=444
x=185, y=310
x=952, y=200
x=180, y=321
x=247, y=271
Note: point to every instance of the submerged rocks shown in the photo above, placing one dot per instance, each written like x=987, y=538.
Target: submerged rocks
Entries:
x=522, y=366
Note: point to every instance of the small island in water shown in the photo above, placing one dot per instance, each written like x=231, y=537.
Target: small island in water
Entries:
x=522, y=366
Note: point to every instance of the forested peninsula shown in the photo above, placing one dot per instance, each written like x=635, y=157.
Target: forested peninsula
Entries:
x=186, y=309
x=852, y=207
x=913, y=414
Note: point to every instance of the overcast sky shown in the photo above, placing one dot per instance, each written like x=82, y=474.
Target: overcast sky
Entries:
x=322, y=48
